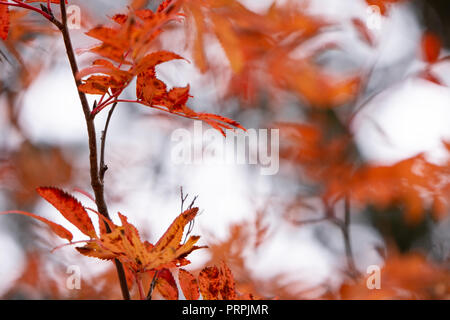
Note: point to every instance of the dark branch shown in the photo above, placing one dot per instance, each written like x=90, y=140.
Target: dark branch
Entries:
x=152, y=286
x=345, y=226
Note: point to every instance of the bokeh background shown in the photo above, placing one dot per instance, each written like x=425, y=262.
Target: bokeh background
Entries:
x=248, y=219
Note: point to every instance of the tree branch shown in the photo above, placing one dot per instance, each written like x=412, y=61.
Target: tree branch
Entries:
x=152, y=286
x=96, y=183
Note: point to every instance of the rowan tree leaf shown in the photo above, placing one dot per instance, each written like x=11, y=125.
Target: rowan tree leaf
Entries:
x=188, y=284
x=70, y=208
x=153, y=59
x=404, y=277
x=127, y=43
x=166, y=285
x=228, y=288
x=134, y=249
x=174, y=233
x=149, y=88
x=95, y=250
x=124, y=243
x=56, y=228
x=198, y=51
x=209, y=282
x=217, y=284
x=95, y=85
x=229, y=42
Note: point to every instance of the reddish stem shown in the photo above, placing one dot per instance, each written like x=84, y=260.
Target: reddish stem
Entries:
x=27, y=6
x=140, y=287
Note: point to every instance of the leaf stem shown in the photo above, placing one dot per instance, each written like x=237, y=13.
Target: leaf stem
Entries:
x=140, y=287
x=19, y=4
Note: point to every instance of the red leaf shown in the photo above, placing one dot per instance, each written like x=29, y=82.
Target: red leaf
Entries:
x=166, y=285
x=153, y=59
x=209, y=282
x=70, y=208
x=431, y=47
x=188, y=285
x=56, y=228
x=228, y=289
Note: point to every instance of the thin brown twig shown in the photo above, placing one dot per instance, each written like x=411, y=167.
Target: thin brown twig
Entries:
x=191, y=223
x=96, y=183
x=310, y=221
x=152, y=286
x=344, y=226
x=103, y=166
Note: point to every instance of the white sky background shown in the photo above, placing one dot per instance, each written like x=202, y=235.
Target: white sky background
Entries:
x=414, y=115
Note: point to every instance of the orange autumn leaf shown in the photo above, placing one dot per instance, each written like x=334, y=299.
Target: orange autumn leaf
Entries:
x=416, y=183
x=188, y=285
x=228, y=290
x=431, y=47
x=318, y=88
x=404, y=277
x=229, y=42
x=261, y=51
x=172, y=237
x=56, y=228
x=124, y=49
x=70, y=208
x=198, y=20
x=125, y=244
x=166, y=285
x=148, y=87
x=4, y=21
x=209, y=282
x=153, y=59
x=219, y=284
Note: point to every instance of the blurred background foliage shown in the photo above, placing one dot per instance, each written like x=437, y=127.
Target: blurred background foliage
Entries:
x=307, y=68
